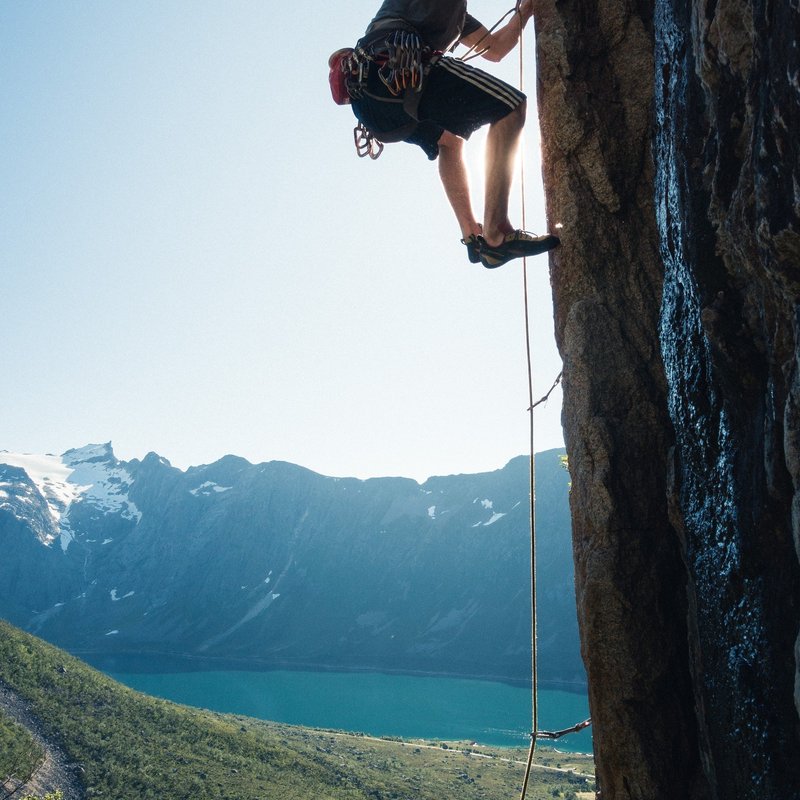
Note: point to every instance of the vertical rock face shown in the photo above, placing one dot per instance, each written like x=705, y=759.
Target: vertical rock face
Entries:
x=727, y=105
x=670, y=142
x=595, y=92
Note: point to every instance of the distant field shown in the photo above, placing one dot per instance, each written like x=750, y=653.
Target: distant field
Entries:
x=134, y=747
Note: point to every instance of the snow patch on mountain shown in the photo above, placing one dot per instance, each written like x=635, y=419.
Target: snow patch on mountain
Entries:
x=66, y=537
x=88, y=474
x=209, y=487
x=104, y=481
x=50, y=475
x=21, y=498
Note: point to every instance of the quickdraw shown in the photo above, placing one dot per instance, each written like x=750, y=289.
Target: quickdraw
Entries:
x=357, y=67
x=366, y=143
x=404, y=62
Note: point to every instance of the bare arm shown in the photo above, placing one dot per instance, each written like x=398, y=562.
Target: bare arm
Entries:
x=497, y=45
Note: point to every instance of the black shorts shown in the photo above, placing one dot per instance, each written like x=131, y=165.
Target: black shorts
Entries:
x=456, y=97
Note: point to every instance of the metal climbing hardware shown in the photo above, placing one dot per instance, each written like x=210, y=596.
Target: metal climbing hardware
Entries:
x=366, y=143
x=348, y=74
x=401, y=58
x=401, y=62
x=340, y=65
x=404, y=62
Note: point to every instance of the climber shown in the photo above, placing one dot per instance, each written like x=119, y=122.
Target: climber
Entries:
x=402, y=87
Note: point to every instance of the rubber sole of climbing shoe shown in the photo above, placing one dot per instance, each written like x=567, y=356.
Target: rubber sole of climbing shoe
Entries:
x=517, y=244
x=473, y=249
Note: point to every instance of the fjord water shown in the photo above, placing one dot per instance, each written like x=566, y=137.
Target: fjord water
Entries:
x=377, y=704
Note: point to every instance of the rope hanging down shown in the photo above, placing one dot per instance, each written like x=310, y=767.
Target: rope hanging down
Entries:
x=532, y=466
x=535, y=732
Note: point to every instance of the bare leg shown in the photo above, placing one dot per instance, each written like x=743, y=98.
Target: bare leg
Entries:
x=454, y=177
x=501, y=149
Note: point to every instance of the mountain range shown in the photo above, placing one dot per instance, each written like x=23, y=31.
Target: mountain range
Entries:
x=274, y=566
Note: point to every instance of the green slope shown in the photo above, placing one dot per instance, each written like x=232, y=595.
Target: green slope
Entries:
x=19, y=754
x=134, y=746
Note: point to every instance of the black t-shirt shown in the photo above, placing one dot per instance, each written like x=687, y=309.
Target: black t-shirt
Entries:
x=441, y=23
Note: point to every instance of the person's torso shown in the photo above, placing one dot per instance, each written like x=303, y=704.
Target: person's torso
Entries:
x=440, y=23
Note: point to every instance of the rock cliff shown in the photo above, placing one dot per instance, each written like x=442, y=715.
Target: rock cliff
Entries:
x=670, y=142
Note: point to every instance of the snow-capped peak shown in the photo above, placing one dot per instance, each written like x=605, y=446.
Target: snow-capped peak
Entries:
x=88, y=474
x=91, y=452
x=51, y=476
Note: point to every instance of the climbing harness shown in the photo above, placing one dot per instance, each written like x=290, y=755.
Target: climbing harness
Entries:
x=401, y=61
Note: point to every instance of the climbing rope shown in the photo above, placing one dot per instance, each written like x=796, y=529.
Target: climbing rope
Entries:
x=473, y=52
x=532, y=462
x=536, y=734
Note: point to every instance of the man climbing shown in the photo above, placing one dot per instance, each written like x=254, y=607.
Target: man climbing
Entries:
x=402, y=87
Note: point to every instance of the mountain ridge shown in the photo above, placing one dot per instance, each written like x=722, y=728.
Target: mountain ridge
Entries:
x=275, y=565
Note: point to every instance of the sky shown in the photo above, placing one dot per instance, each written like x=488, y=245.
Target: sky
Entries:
x=195, y=262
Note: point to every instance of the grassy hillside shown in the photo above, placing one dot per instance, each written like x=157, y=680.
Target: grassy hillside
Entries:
x=19, y=754
x=135, y=747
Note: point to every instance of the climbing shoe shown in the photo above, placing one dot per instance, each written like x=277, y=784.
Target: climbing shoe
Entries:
x=517, y=244
x=473, y=248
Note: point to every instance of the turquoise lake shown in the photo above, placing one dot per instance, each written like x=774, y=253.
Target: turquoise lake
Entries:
x=377, y=704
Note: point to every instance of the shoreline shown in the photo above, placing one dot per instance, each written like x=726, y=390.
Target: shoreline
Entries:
x=197, y=663
x=506, y=729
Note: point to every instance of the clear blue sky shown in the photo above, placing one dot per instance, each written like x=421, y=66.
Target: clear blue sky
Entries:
x=194, y=261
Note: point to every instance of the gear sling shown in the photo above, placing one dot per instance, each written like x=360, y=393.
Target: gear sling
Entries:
x=402, y=63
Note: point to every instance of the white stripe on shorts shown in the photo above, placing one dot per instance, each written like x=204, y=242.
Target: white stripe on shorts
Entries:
x=483, y=80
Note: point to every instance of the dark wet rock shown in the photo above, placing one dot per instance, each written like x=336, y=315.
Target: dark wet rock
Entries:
x=670, y=140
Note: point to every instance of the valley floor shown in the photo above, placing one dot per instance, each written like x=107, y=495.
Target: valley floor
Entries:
x=125, y=745
x=461, y=759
